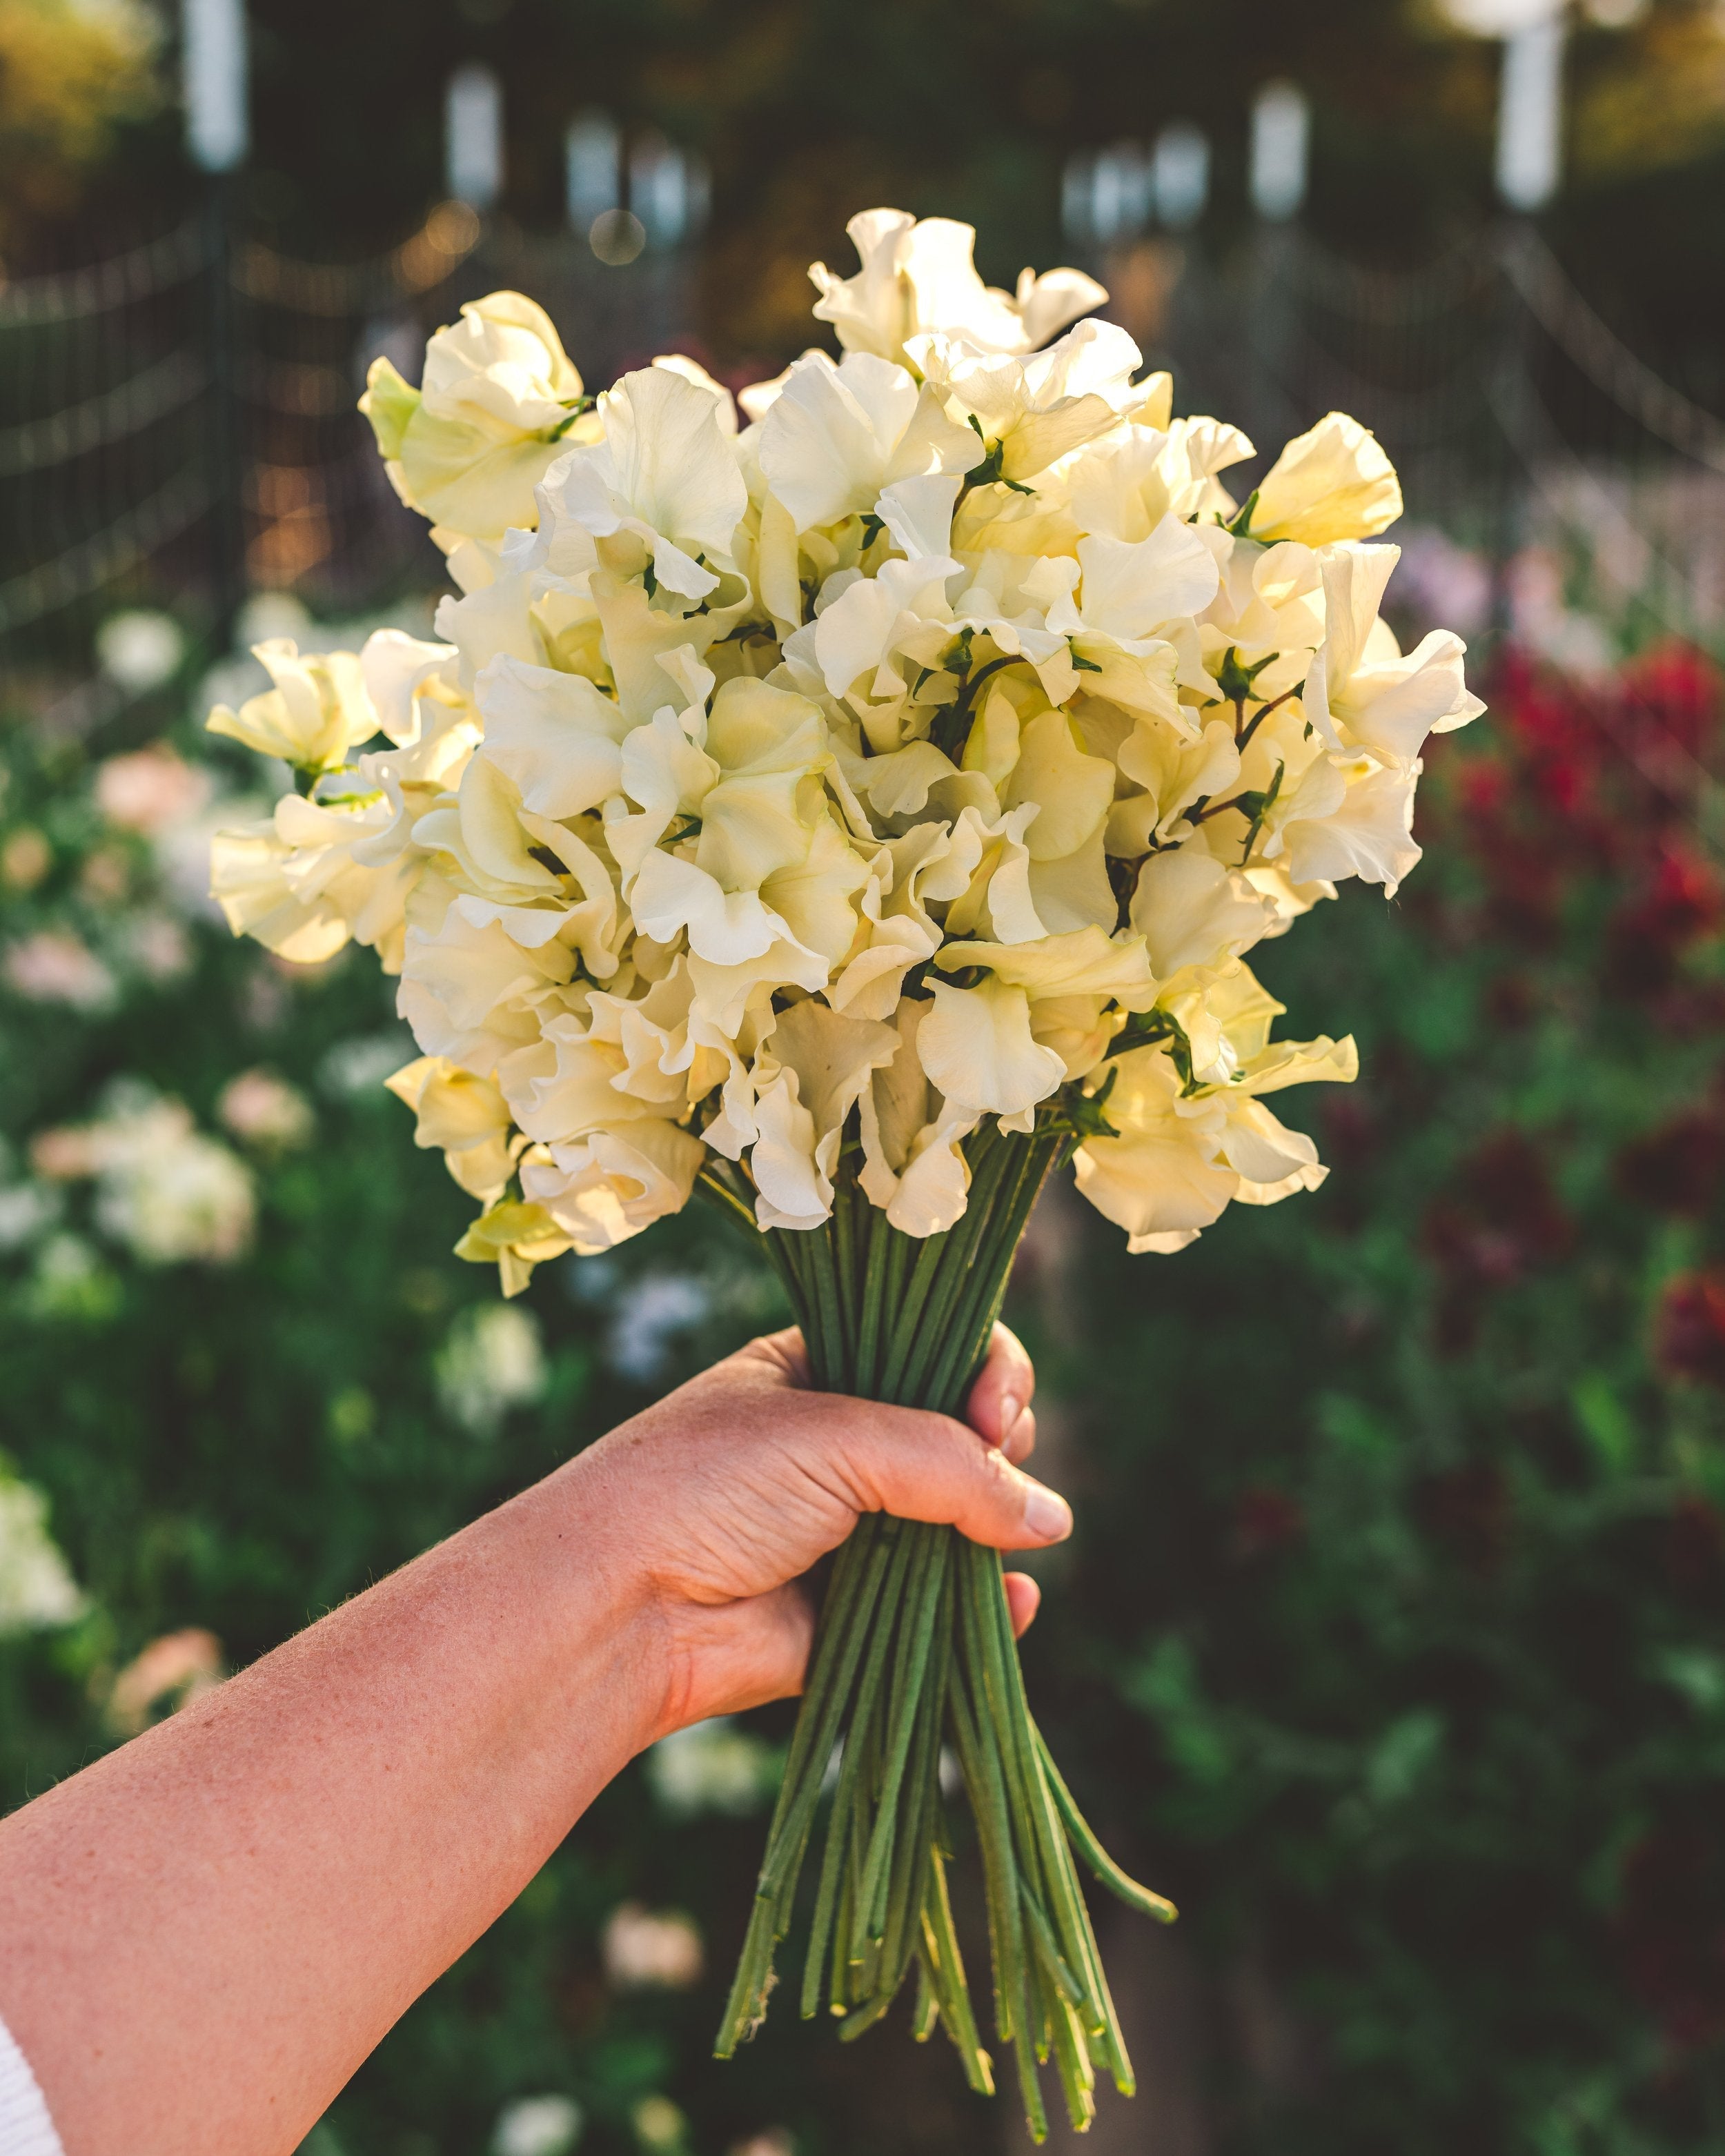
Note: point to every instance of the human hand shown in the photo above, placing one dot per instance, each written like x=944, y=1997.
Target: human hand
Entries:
x=715, y=1501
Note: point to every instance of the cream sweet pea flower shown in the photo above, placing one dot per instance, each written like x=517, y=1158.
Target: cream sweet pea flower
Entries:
x=515, y=1238
x=1361, y=692
x=1119, y=597
x=836, y=438
x=318, y=709
x=665, y=475
x=976, y=1046
x=755, y=786
x=813, y=1070
x=1181, y=1157
x=600, y=1190
x=1028, y=412
x=297, y=884
x=498, y=395
x=913, y=1166
x=920, y=276
x=1123, y=487
x=464, y=1116
x=469, y=989
x=1333, y=482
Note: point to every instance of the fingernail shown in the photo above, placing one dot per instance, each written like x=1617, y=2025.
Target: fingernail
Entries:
x=1046, y=1515
x=1011, y=1408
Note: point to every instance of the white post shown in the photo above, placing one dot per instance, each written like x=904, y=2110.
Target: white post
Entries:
x=473, y=141
x=592, y=152
x=213, y=70
x=1530, y=115
x=1182, y=165
x=1282, y=145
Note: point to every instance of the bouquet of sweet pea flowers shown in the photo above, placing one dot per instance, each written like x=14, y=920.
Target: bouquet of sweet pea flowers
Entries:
x=852, y=810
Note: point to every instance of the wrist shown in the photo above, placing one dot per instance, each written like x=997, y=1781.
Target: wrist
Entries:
x=573, y=1557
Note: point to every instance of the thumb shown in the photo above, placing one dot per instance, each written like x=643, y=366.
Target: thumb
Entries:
x=923, y=1466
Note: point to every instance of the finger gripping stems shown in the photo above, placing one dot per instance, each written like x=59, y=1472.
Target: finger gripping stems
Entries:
x=914, y=1661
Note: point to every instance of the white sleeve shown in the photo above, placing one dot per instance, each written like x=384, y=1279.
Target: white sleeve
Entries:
x=25, y=2127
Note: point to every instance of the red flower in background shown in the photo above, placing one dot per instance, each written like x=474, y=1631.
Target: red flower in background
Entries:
x=1689, y=1333
x=1670, y=1929
x=1503, y=1219
x=1677, y=1169
x=1681, y=903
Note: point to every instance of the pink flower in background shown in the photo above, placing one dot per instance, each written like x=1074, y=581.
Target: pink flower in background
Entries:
x=176, y=1667
x=265, y=1111
x=53, y=967
x=150, y=790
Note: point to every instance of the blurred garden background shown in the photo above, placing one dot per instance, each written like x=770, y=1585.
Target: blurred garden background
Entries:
x=1392, y=1640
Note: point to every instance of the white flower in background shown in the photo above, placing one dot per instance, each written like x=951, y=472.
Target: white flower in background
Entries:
x=651, y=1312
x=492, y=1360
x=166, y=1191
x=55, y=967
x=923, y=756
x=28, y=1210
x=37, y=1589
x=645, y=1950
x=139, y=649
x=714, y=1766
x=536, y=2126
x=265, y=1111
x=356, y=1067
x=774, y=2141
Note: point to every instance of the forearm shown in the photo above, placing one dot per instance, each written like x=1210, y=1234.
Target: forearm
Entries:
x=202, y=1936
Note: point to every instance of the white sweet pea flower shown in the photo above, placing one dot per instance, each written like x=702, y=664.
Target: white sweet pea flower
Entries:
x=395, y=668
x=876, y=624
x=1268, y=611
x=757, y=791
x=835, y=437
x=498, y=394
x=691, y=370
x=1351, y=818
x=920, y=276
x=1333, y=482
x=664, y=474
x=318, y=709
x=1124, y=486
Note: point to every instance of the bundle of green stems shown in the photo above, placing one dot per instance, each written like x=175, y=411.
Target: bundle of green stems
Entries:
x=914, y=1656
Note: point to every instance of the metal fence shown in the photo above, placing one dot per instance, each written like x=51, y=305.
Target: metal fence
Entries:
x=178, y=421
